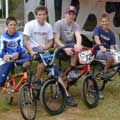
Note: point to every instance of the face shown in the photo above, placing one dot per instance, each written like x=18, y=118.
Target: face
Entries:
x=104, y=23
x=41, y=16
x=11, y=27
x=70, y=17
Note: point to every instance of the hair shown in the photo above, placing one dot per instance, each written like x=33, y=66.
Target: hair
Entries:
x=41, y=8
x=10, y=18
x=104, y=16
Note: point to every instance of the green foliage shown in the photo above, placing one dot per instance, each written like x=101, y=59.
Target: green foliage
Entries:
x=13, y=4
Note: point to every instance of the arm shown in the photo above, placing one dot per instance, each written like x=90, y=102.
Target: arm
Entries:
x=49, y=44
x=27, y=33
x=57, y=30
x=29, y=49
x=78, y=45
x=57, y=40
x=3, y=51
x=97, y=41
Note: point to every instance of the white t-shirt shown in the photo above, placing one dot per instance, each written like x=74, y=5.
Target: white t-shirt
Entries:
x=39, y=34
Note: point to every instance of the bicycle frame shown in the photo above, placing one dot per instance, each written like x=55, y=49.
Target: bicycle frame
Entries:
x=13, y=79
x=84, y=68
x=111, y=68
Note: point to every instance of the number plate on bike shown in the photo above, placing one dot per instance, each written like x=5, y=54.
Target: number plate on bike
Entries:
x=85, y=57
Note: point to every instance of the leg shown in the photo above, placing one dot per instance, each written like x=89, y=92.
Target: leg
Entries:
x=73, y=60
x=40, y=71
x=70, y=100
x=73, y=73
x=25, y=56
x=109, y=62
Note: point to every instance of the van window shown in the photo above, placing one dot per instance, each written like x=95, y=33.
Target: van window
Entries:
x=90, y=23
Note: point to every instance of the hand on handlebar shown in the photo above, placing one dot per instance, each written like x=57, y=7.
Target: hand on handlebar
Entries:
x=12, y=57
x=77, y=48
x=6, y=58
x=33, y=55
x=103, y=49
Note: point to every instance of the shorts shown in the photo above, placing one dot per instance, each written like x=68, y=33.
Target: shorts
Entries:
x=61, y=54
x=103, y=55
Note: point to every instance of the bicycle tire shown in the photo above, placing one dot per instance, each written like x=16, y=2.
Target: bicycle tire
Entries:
x=55, y=96
x=98, y=73
x=90, y=92
x=24, y=102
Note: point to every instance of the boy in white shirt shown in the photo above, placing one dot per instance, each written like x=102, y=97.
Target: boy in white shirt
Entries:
x=38, y=35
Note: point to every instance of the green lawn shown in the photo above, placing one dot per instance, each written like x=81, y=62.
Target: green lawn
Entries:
x=107, y=109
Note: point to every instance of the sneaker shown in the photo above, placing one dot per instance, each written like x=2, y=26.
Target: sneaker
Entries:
x=101, y=97
x=71, y=101
x=73, y=74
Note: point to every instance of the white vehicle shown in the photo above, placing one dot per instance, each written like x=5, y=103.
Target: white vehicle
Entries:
x=88, y=14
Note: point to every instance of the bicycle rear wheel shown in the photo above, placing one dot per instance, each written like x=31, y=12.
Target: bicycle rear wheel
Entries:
x=90, y=92
x=52, y=96
x=27, y=102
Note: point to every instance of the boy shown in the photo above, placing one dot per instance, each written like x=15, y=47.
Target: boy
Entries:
x=67, y=34
x=105, y=39
x=38, y=36
x=11, y=46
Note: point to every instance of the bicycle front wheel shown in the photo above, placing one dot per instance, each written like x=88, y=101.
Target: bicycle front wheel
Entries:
x=52, y=96
x=98, y=73
x=27, y=102
x=90, y=92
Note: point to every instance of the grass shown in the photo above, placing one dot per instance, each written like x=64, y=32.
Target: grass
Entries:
x=3, y=106
x=107, y=109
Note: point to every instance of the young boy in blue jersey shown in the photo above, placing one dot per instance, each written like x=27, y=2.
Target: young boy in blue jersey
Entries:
x=11, y=44
x=105, y=39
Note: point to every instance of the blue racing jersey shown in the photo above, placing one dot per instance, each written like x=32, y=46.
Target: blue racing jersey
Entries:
x=10, y=44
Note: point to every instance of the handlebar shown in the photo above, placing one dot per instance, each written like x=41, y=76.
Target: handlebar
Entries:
x=51, y=57
x=46, y=55
x=22, y=60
